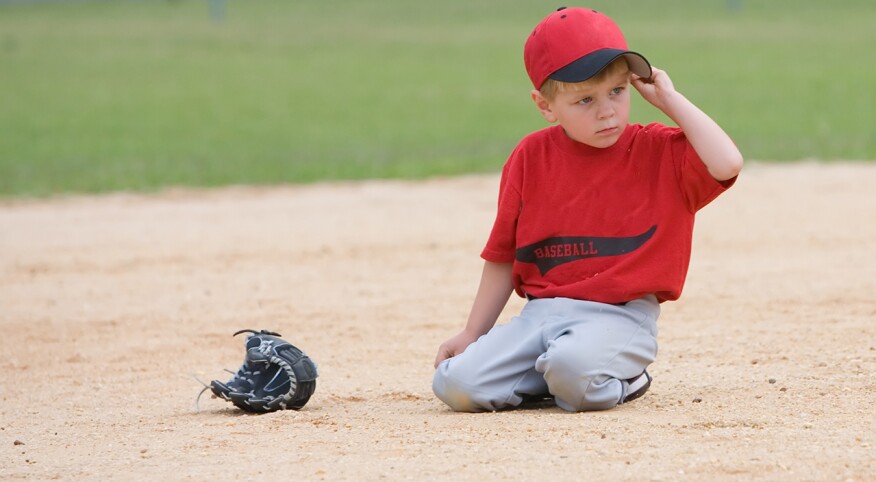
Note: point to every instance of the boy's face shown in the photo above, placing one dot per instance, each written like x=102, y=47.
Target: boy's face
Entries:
x=595, y=115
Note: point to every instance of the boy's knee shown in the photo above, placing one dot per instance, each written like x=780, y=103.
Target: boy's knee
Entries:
x=453, y=394
x=452, y=389
x=584, y=392
x=578, y=387
x=599, y=393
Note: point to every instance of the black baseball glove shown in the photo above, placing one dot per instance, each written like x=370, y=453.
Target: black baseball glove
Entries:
x=275, y=375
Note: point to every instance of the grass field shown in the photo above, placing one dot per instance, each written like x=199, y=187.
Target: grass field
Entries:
x=135, y=95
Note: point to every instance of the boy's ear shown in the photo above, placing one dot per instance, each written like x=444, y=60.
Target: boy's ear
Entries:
x=544, y=107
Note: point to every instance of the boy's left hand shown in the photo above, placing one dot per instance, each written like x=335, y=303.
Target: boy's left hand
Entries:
x=657, y=89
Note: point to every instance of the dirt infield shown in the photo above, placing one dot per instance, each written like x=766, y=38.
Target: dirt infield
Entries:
x=110, y=304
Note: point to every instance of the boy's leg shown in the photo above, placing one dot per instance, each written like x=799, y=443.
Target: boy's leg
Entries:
x=595, y=349
x=498, y=369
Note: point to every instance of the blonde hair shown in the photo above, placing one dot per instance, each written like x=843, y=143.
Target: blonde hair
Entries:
x=552, y=87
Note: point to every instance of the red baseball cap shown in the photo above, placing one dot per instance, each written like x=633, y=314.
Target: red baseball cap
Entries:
x=574, y=44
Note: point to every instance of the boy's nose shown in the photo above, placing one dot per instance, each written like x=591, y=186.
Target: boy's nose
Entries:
x=604, y=110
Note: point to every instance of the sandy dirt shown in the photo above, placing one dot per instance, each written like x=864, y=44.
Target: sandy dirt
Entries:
x=109, y=305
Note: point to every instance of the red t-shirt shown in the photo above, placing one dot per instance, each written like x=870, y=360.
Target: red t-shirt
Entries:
x=608, y=225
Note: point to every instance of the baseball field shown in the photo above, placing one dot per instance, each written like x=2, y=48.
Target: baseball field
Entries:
x=172, y=172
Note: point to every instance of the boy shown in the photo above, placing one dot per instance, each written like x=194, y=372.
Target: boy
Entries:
x=594, y=226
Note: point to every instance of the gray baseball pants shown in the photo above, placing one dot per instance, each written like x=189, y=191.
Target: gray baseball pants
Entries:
x=581, y=352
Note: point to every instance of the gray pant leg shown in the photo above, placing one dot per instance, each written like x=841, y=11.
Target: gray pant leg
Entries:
x=496, y=370
x=595, y=348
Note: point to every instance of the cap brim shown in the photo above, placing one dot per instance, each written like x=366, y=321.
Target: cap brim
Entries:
x=592, y=63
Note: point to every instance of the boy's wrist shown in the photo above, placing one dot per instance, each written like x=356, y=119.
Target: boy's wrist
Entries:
x=473, y=331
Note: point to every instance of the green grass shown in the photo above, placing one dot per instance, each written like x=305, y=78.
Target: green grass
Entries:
x=138, y=95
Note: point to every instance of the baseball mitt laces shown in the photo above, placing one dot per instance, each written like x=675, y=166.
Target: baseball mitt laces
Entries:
x=275, y=375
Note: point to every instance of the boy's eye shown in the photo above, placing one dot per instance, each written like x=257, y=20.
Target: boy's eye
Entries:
x=586, y=100
x=617, y=90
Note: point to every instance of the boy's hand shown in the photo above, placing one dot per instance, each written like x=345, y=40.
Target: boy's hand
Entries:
x=657, y=89
x=454, y=346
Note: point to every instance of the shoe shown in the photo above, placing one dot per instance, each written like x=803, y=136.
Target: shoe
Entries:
x=537, y=401
x=637, y=387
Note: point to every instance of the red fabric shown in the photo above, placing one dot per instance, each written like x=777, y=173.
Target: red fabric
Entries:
x=608, y=225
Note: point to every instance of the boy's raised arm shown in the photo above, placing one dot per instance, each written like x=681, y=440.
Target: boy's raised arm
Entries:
x=714, y=146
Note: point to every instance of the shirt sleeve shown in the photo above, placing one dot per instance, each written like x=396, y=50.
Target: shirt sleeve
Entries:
x=502, y=243
x=698, y=186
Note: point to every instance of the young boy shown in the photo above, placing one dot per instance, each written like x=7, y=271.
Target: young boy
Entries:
x=594, y=226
